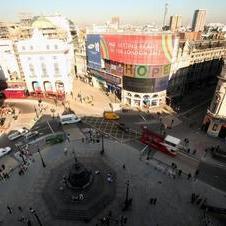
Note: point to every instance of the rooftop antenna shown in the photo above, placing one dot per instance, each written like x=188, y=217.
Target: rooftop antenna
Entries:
x=165, y=14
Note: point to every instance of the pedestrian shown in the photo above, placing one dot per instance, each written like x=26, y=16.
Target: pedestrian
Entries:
x=154, y=201
x=20, y=209
x=179, y=172
x=21, y=219
x=29, y=222
x=172, y=121
x=188, y=150
x=194, y=152
x=123, y=166
x=196, y=172
x=151, y=200
x=199, y=201
x=189, y=176
x=10, y=210
x=65, y=151
x=125, y=220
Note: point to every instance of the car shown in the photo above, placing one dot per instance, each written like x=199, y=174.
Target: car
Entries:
x=69, y=118
x=17, y=134
x=109, y=115
x=31, y=134
x=4, y=151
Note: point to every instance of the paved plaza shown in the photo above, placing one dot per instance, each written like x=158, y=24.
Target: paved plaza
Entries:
x=147, y=179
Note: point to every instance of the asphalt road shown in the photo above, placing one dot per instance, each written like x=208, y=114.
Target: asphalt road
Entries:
x=24, y=107
x=44, y=128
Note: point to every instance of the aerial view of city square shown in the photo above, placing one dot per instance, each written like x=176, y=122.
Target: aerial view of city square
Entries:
x=113, y=113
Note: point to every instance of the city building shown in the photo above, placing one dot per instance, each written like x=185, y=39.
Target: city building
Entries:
x=198, y=63
x=47, y=65
x=135, y=67
x=215, y=120
x=199, y=20
x=175, y=23
x=80, y=55
x=9, y=69
x=115, y=22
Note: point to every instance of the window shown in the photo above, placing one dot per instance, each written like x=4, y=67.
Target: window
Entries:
x=55, y=57
x=29, y=58
x=56, y=46
x=31, y=48
x=23, y=48
x=41, y=58
x=136, y=96
x=44, y=70
x=32, y=70
x=56, y=69
x=47, y=47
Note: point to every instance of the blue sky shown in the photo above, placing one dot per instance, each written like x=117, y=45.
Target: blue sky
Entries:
x=129, y=11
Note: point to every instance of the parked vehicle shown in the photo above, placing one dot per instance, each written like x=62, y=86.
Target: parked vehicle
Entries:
x=109, y=115
x=4, y=151
x=69, y=118
x=31, y=134
x=17, y=134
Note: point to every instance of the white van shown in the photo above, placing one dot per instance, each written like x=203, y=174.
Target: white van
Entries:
x=172, y=143
x=68, y=119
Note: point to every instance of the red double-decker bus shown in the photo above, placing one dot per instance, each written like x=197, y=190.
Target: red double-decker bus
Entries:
x=168, y=144
x=14, y=93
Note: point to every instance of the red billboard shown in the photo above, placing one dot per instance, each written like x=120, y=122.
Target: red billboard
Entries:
x=155, y=49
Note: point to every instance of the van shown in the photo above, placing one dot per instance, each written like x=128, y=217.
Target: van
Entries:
x=68, y=119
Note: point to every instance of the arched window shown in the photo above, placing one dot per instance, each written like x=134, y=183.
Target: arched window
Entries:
x=136, y=96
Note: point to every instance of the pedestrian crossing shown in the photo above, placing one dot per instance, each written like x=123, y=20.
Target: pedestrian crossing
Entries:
x=111, y=129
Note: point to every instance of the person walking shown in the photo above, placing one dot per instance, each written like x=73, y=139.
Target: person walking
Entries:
x=151, y=200
x=179, y=172
x=189, y=176
x=124, y=166
x=9, y=209
x=29, y=222
x=196, y=172
x=154, y=201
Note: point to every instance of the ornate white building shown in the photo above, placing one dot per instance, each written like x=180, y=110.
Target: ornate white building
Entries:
x=215, y=120
x=47, y=64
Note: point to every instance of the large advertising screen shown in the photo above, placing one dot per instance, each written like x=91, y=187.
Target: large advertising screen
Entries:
x=161, y=84
x=93, y=51
x=156, y=49
x=138, y=85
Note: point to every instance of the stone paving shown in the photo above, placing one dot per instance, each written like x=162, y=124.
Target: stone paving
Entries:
x=146, y=181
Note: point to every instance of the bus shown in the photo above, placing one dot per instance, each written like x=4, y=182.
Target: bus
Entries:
x=14, y=93
x=169, y=144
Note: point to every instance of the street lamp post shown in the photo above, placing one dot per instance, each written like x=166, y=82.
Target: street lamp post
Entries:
x=43, y=163
x=102, y=144
x=127, y=202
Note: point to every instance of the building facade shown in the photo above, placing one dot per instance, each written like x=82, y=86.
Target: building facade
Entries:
x=136, y=67
x=199, y=20
x=197, y=64
x=215, y=120
x=47, y=65
x=9, y=69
